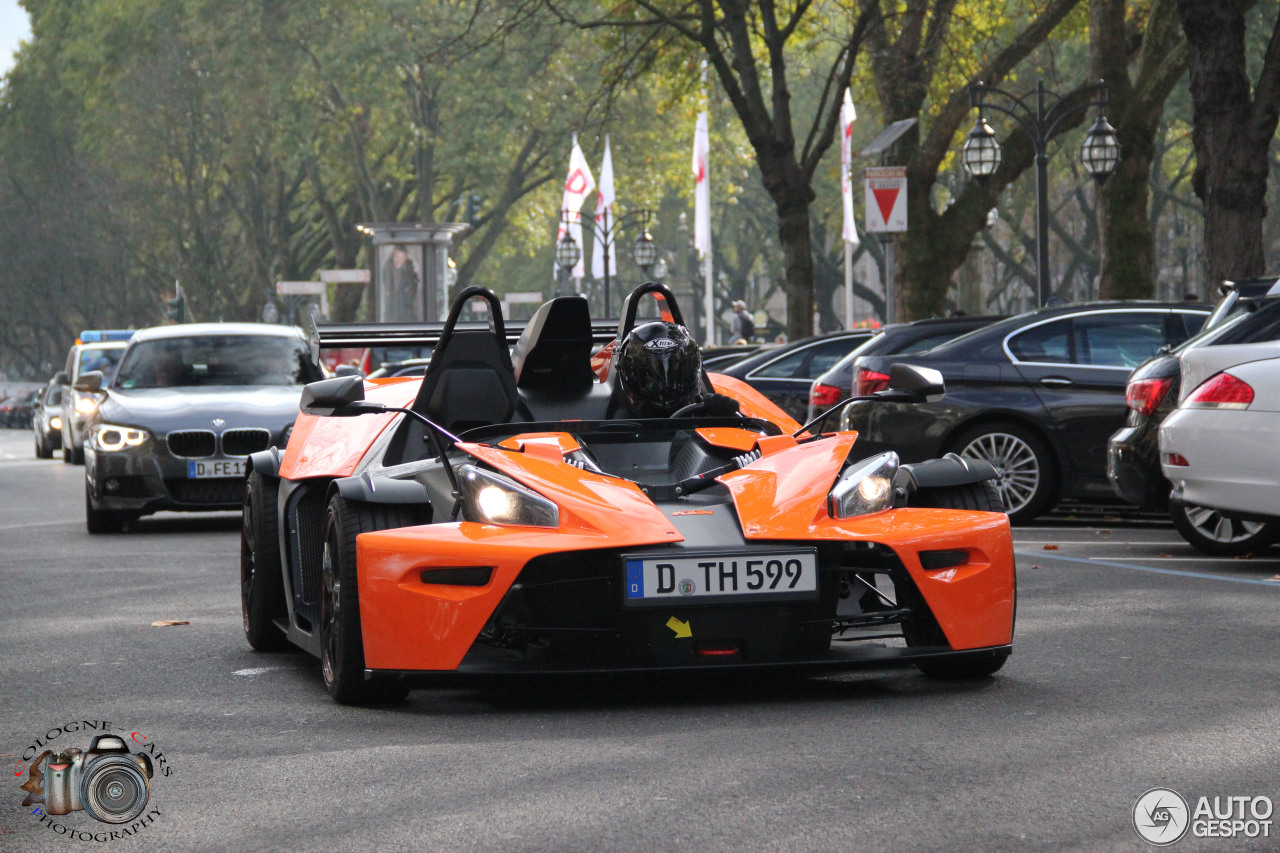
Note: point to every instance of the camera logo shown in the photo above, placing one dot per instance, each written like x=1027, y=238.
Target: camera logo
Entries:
x=1161, y=816
x=110, y=781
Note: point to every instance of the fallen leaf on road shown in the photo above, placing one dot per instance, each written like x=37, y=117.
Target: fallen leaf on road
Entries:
x=1166, y=556
x=1248, y=556
x=166, y=623
x=1035, y=567
x=1103, y=532
x=1051, y=547
x=1274, y=578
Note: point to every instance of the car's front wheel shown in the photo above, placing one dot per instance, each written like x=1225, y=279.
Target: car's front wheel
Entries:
x=1213, y=533
x=341, y=640
x=1025, y=474
x=43, y=450
x=102, y=520
x=261, y=579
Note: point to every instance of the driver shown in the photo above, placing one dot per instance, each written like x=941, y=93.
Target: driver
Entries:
x=659, y=369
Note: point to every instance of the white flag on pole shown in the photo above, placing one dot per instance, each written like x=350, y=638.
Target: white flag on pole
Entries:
x=577, y=186
x=604, y=220
x=702, y=188
x=848, y=115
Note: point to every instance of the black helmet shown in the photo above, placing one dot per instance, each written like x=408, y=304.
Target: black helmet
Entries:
x=659, y=369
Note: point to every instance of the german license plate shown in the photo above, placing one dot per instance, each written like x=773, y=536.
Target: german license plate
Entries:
x=720, y=578
x=206, y=469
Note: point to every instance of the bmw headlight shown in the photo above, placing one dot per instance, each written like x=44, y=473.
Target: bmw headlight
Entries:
x=865, y=487
x=110, y=438
x=494, y=499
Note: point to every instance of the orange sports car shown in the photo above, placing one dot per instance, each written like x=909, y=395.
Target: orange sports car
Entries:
x=517, y=510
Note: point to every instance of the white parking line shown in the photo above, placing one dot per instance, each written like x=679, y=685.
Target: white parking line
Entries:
x=1179, y=572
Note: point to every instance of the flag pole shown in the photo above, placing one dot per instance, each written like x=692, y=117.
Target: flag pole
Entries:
x=848, y=284
x=709, y=297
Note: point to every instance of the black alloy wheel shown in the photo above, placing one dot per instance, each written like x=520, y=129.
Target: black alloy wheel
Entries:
x=261, y=580
x=341, y=640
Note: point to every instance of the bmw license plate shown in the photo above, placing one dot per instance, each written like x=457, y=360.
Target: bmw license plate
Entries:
x=720, y=578
x=212, y=468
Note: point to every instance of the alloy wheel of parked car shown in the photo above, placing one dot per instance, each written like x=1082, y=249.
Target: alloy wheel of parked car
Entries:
x=1210, y=531
x=1024, y=473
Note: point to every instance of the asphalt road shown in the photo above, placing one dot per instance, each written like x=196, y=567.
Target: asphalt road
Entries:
x=1137, y=664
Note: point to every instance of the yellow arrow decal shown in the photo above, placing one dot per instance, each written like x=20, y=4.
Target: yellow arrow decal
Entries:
x=682, y=629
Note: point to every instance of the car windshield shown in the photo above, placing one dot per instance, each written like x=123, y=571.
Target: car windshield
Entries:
x=99, y=358
x=1247, y=325
x=217, y=360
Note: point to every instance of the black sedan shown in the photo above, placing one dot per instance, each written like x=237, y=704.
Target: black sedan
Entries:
x=46, y=420
x=785, y=374
x=187, y=406
x=1037, y=396
x=1133, y=453
x=898, y=339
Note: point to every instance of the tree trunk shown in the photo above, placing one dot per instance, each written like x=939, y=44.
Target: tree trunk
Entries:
x=1232, y=135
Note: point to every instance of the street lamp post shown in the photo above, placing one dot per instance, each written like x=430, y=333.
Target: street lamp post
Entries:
x=644, y=252
x=568, y=253
x=1099, y=153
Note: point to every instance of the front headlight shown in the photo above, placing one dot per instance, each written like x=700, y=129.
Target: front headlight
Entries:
x=55, y=422
x=110, y=438
x=494, y=499
x=864, y=488
x=86, y=405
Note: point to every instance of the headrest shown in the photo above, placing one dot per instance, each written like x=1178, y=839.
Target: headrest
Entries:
x=554, y=350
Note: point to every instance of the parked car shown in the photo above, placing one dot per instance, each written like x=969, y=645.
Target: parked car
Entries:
x=187, y=406
x=97, y=349
x=898, y=339
x=46, y=420
x=716, y=359
x=16, y=410
x=1218, y=448
x=629, y=525
x=785, y=373
x=407, y=367
x=1037, y=396
x=1152, y=393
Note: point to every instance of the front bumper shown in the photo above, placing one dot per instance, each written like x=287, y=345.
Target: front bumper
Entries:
x=550, y=607
x=149, y=478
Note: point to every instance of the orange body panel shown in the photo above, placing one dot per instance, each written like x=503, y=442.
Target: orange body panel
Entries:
x=548, y=445
x=752, y=403
x=331, y=447
x=783, y=496
x=730, y=438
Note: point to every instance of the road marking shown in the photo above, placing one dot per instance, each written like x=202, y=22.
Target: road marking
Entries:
x=37, y=524
x=1042, y=556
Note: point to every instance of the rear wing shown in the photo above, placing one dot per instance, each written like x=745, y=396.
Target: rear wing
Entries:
x=365, y=335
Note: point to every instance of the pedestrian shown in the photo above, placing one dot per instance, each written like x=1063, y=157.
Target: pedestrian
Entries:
x=741, y=327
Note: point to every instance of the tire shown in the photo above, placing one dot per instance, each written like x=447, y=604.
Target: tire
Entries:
x=980, y=497
x=43, y=450
x=77, y=455
x=102, y=520
x=66, y=447
x=341, y=640
x=261, y=572
x=1027, y=478
x=1209, y=531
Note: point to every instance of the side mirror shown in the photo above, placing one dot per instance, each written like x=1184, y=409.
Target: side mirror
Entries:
x=342, y=396
x=61, y=378
x=91, y=382
x=911, y=384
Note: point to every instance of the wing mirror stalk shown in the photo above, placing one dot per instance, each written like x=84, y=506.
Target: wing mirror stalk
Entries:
x=908, y=383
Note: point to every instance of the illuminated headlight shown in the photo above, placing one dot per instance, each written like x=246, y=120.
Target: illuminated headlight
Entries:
x=55, y=422
x=865, y=487
x=110, y=437
x=494, y=499
x=86, y=405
